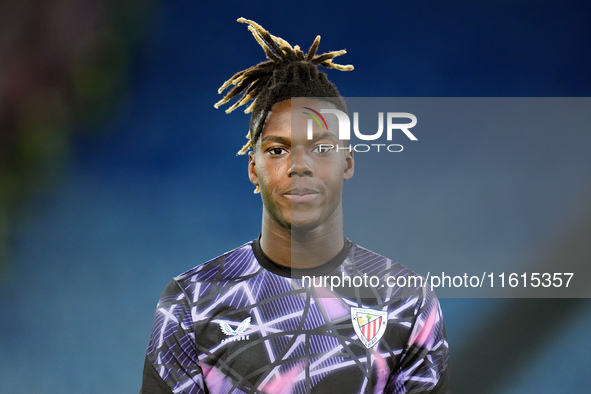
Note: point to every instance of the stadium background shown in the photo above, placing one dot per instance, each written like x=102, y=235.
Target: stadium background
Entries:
x=116, y=172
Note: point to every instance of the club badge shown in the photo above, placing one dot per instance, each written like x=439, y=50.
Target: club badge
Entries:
x=369, y=325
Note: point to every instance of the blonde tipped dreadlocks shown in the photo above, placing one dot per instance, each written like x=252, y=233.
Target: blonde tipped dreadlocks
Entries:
x=288, y=73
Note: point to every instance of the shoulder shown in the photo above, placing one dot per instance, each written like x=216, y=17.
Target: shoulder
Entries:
x=232, y=266
x=234, y=263
x=370, y=262
x=391, y=279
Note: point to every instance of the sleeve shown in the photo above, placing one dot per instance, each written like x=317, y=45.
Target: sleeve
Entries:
x=172, y=364
x=423, y=365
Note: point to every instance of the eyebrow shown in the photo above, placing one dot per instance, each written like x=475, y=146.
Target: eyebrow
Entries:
x=287, y=141
x=274, y=138
x=326, y=134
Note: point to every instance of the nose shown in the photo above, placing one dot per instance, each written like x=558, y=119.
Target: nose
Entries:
x=300, y=164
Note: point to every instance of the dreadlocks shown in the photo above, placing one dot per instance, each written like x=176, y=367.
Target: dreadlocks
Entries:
x=288, y=73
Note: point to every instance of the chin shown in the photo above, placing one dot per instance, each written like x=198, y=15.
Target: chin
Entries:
x=304, y=224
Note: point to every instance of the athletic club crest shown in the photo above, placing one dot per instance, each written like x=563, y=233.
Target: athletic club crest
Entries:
x=369, y=325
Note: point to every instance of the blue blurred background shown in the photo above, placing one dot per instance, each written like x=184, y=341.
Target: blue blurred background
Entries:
x=116, y=172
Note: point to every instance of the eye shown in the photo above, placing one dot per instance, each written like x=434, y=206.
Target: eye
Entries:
x=323, y=148
x=276, y=151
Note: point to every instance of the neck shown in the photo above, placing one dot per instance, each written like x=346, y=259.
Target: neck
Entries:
x=302, y=247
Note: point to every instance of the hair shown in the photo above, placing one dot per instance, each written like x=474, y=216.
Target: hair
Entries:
x=287, y=73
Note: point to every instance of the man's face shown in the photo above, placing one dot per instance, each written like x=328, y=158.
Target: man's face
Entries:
x=300, y=180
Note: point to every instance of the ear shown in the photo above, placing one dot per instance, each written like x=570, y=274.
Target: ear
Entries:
x=349, y=165
x=252, y=173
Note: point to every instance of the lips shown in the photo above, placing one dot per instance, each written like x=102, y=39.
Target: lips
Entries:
x=301, y=194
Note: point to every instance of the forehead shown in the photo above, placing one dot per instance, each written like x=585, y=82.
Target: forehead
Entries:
x=294, y=114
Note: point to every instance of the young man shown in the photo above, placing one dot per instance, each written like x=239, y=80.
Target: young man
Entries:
x=252, y=320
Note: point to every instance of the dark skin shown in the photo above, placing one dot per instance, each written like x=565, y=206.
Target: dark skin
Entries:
x=301, y=184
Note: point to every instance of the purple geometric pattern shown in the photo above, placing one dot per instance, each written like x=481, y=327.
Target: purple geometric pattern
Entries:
x=299, y=339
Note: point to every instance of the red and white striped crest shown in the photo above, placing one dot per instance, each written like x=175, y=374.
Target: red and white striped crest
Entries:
x=369, y=324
